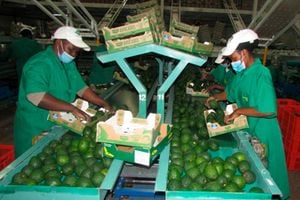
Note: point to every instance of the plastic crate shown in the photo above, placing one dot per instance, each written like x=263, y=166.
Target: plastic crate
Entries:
x=7, y=155
x=291, y=138
x=281, y=104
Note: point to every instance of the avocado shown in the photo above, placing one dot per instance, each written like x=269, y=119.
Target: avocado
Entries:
x=97, y=179
x=84, y=182
x=211, y=172
x=70, y=181
x=53, y=181
x=249, y=176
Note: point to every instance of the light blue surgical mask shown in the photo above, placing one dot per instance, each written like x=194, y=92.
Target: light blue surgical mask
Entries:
x=238, y=66
x=65, y=57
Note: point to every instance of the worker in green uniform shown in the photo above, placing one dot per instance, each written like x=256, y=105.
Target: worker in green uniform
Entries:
x=222, y=74
x=253, y=91
x=22, y=49
x=51, y=81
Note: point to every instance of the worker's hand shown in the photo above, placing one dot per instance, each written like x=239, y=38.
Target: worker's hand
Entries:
x=228, y=119
x=79, y=114
x=204, y=75
x=109, y=108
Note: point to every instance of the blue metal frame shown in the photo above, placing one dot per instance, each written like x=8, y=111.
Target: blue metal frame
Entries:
x=120, y=58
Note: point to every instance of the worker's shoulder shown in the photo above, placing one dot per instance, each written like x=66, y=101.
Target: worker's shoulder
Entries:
x=42, y=58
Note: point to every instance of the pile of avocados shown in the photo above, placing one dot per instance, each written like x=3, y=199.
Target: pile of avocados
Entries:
x=192, y=166
x=72, y=161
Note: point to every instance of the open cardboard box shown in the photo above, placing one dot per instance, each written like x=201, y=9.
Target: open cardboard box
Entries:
x=139, y=155
x=68, y=120
x=189, y=90
x=124, y=129
x=215, y=129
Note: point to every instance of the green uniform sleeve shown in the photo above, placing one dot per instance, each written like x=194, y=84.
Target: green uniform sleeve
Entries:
x=36, y=78
x=264, y=98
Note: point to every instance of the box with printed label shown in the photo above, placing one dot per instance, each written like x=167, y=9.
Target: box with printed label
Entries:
x=124, y=129
x=127, y=30
x=69, y=121
x=127, y=43
x=214, y=128
x=184, y=27
x=183, y=43
x=190, y=90
x=139, y=155
x=203, y=48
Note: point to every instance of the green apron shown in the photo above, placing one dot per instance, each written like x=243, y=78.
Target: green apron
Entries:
x=42, y=73
x=222, y=75
x=21, y=50
x=101, y=73
x=253, y=87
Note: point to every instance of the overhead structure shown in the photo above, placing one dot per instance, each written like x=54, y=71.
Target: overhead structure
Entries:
x=112, y=14
x=271, y=21
x=234, y=15
x=69, y=12
x=297, y=24
x=175, y=10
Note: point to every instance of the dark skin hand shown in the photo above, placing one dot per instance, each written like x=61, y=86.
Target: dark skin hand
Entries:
x=51, y=103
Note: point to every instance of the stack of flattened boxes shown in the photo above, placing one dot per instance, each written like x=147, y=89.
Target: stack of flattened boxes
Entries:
x=129, y=35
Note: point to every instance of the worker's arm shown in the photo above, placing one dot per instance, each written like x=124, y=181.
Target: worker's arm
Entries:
x=216, y=87
x=51, y=103
x=92, y=97
x=220, y=96
x=251, y=112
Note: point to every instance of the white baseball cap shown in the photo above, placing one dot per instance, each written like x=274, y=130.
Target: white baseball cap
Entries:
x=72, y=35
x=220, y=58
x=245, y=35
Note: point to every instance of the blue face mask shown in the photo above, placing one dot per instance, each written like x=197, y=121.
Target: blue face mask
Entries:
x=65, y=57
x=238, y=66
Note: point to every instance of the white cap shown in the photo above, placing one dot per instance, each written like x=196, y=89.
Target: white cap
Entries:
x=245, y=35
x=220, y=58
x=72, y=35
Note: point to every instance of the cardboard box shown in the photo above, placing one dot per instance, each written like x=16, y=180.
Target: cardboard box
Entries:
x=68, y=120
x=190, y=90
x=127, y=30
x=124, y=129
x=138, y=155
x=122, y=44
x=215, y=129
x=184, y=27
x=180, y=33
x=183, y=43
x=203, y=48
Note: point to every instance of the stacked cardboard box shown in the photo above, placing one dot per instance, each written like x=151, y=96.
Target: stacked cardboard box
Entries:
x=130, y=35
x=137, y=140
x=203, y=48
x=184, y=43
x=182, y=27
